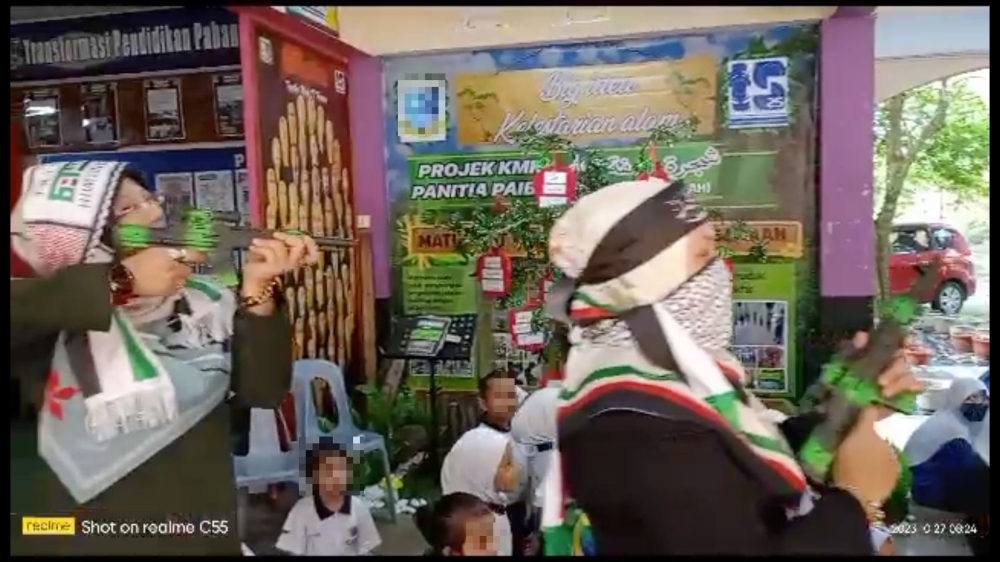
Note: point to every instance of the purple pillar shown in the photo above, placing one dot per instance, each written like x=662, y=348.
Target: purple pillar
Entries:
x=846, y=144
x=368, y=139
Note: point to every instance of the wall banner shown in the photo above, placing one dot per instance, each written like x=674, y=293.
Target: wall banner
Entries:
x=751, y=157
x=586, y=103
x=156, y=40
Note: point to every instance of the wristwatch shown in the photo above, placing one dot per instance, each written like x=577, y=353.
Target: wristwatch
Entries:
x=121, y=281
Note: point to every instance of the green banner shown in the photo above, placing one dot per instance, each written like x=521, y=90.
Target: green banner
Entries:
x=468, y=179
x=439, y=289
x=764, y=325
x=716, y=179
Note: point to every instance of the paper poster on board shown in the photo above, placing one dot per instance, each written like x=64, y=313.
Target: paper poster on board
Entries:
x=42, y=118
x=164, y=117
x=177, y=190
x=99, y=108
x=243, y=195
x=214, y=190
x=228, y=93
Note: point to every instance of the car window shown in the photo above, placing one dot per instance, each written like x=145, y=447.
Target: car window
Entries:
x=905, y=241
x=944, y=238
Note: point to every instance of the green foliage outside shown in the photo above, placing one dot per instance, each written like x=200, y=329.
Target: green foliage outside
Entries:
x=935, y=135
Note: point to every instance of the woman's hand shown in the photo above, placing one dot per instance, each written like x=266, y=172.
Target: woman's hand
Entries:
x=865, y=464
x=896, y=379
x=269, y=258
x=160, y=272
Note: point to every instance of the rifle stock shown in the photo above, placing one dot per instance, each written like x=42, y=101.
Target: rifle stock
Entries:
x=850, y=381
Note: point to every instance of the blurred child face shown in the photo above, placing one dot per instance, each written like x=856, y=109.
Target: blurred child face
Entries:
x=479, y=540
x=500, y=399
x=332, y=475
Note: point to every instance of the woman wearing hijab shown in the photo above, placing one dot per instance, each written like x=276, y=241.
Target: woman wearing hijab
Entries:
x=481, y=464
x=660, y=445
x=948, y=472
x=137, y=365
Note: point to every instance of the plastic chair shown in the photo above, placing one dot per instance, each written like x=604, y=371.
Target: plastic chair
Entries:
x=354, y=439
x=265, y=462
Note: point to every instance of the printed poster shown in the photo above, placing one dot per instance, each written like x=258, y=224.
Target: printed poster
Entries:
x=42, y=118
x=304, y=155
x=177, y=190
x=99, y=105
x=764, y=299
x=758, y=93
x=164, y=117
x=228, y=94
x=243, y=196
x=215, y=190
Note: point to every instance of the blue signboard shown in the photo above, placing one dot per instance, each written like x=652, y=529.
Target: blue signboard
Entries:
x=758, y=93
x=147, y=41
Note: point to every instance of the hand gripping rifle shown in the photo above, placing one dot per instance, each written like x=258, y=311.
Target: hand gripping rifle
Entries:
x=215, y=233
x=849, y=383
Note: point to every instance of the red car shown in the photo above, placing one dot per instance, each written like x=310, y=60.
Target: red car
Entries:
x=915, y=246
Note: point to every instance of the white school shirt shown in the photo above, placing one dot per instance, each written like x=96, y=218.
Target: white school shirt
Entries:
x=313, y=530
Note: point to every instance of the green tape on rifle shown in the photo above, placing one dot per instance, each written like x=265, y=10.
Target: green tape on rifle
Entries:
x=132, y=235
x=200, y=229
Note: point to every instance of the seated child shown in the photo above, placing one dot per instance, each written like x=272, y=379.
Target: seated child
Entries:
x=458, y=524
x=329, y=522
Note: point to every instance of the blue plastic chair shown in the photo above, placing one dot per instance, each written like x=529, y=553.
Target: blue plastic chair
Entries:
x=354, y=439
x=270, y=465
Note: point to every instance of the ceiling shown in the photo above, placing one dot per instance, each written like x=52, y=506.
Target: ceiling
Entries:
x=391, y=30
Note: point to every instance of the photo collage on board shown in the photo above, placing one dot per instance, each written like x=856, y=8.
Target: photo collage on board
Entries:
x=308, y=188
x=759, y=342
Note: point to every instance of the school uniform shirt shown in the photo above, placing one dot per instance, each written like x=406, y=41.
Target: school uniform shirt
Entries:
x=312, y=529
x=534, y=429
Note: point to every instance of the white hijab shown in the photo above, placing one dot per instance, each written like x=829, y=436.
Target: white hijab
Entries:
x=471, y=467
x=947, y=423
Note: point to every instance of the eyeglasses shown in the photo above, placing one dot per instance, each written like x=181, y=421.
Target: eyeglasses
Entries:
x=148, y=200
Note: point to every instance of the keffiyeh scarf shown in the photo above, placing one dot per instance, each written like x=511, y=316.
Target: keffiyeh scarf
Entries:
x=114, y=399
x=649, y=332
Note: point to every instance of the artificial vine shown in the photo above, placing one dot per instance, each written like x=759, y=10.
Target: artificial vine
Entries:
x=523, y=224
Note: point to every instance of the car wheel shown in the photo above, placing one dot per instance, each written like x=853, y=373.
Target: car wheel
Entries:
x=950, y=297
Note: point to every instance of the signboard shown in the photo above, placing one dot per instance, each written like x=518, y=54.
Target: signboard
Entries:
x=586, y=102
x=758, y=93
x=148, y=41
x=323, y=16
x=303, y=158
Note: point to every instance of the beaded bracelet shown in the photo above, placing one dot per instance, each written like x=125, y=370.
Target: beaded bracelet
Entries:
x=265, y=295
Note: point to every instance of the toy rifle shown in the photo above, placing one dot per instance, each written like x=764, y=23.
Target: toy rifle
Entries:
x=215, y=233
x=849, y=383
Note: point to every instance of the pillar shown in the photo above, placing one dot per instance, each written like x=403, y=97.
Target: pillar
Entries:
x=845, y=206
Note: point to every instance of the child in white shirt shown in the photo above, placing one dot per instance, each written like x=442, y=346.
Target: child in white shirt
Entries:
x=329, y=522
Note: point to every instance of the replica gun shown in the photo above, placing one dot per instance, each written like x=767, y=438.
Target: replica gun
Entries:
x=849, y=383
x=215, y=233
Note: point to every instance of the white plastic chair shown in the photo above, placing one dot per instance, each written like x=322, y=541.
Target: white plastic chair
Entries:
x=265, y=462
x=354, y=439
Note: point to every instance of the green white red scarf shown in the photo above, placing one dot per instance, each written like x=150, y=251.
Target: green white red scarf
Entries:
x=627, y=285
